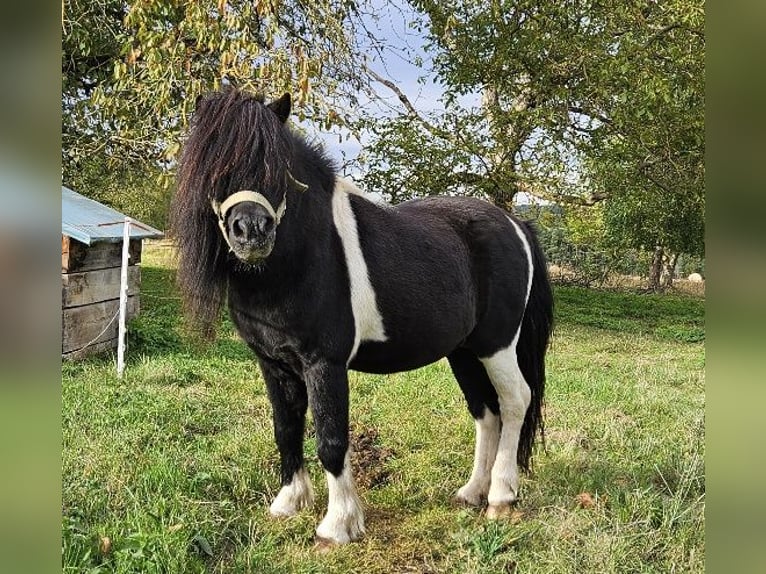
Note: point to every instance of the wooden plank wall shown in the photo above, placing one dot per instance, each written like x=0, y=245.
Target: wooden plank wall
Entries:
x=86, y=287
x=85, y=324
x=90, y=292
x=76, y=256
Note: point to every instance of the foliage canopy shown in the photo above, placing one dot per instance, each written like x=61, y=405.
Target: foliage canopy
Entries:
x=131, y=71
x=575, y=102
x=572, y=102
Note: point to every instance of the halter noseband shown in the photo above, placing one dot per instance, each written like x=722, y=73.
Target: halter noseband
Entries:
x=222, y=208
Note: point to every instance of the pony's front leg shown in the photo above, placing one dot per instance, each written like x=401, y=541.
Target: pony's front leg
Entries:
x=328, y=394
x=289, y=401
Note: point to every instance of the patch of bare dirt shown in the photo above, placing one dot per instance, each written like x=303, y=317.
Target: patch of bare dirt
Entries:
x=369, y=457
x=585, y=500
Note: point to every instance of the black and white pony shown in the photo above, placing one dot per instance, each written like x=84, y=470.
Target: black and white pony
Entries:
x=320, y=280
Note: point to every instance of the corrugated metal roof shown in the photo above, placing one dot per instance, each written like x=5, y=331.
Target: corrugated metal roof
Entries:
x=89, y=221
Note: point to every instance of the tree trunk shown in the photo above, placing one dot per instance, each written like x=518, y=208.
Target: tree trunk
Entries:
x=655, y=270
x=501, y=160
x=670, y=260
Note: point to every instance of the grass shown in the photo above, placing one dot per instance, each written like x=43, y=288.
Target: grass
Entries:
x=172, y=468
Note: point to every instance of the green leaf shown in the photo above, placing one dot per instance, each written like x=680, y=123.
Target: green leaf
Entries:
x=200, y=544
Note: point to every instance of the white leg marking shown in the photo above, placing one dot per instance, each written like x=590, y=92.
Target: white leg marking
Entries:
x=294, y=496
x=344, y=521
x=514, y=396
x=487, y=436
x=368, y=323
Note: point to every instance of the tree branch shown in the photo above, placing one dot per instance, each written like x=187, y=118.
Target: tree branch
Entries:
x=399, y=94
x=453, y=137
x=661, y=32
x=644, y=169
x=669, y=28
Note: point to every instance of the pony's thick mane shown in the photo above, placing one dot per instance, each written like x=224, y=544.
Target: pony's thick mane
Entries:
x=235, y=142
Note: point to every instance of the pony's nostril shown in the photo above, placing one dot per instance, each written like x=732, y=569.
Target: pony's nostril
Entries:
x=239, y=229
x=264, y=224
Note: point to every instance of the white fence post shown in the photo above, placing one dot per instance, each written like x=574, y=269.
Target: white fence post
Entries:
x=123, y=298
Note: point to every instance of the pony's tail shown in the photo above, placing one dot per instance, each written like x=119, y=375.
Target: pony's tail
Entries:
x=536, y=330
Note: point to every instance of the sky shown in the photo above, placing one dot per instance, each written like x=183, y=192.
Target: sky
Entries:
x=405, y=44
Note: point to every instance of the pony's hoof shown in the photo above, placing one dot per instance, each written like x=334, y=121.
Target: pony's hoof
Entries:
x=282, y=511
x=293, y=497
x=499, y=511
x=324, y=545
x=470, y=495
x=467, y=502
x=341, y=529
x=280, y=514
x=323, y=537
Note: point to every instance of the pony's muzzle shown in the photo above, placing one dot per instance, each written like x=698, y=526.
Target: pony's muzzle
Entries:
x=247, y=227
x=252, y=231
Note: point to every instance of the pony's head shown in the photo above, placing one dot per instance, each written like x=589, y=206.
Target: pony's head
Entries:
x=231, y=192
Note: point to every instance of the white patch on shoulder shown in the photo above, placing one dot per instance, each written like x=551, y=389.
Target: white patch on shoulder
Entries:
x=294, y=496
x=347, y=185
x=344, y=521
x=368, y=323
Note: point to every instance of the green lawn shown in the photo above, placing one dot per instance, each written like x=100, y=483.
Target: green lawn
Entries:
x=172, y=468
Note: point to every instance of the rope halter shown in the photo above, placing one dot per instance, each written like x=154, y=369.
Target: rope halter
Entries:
x=222, y=208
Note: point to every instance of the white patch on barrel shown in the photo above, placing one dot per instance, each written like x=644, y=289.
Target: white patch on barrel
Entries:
x=344, y=521
x=294, y=496
x=368, y=323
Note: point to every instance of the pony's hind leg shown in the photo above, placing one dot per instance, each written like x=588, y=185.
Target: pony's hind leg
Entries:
x=289, y=401
x=514, y=396
x=483, y=406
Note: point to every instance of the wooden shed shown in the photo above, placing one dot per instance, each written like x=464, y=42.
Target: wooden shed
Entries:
x=91, y=256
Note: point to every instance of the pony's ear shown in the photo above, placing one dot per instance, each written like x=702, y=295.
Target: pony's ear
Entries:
x=281, y=107
x=198, y=101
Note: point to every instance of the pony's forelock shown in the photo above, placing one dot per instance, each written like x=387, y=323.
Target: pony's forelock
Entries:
x=235, y=142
